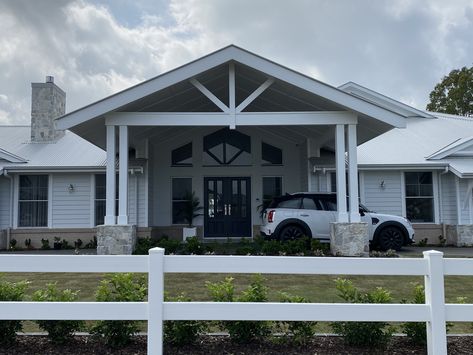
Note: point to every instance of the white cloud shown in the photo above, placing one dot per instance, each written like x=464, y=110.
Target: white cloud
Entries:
x=399, y=48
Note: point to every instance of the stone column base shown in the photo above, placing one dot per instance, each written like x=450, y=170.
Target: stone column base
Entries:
x=349, y=239
x=460, y=235
x=116, y=239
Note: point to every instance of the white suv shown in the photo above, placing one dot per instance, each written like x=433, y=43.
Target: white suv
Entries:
x=310, y=214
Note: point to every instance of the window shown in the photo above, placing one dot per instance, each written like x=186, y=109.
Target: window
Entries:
x=419, y=196
x=181, y=189
x=294, y=203
x=33, y=201
x=227, y=147
x=271, y=155
x=182, y=156
x=308, y=204
x=101, y=198
x=272, y=187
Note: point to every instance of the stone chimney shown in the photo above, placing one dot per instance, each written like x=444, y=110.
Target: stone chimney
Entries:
x=48, y=102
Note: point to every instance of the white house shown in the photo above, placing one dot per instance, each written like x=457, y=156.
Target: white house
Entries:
x=235, y=128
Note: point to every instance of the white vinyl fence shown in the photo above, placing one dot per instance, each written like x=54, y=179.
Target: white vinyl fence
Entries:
x=432, y=266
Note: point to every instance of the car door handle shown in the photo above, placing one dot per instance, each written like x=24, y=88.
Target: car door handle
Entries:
x=304, y=215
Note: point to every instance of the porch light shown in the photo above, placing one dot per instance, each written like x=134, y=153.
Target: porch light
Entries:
x=382, y=184
x=71, y=188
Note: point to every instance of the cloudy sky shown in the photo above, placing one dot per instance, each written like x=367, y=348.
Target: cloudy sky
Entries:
x=400, y=48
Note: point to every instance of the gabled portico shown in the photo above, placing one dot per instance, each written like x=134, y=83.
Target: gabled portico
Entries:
x=238, y=91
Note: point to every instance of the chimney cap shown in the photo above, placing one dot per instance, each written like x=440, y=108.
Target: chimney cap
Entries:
x=50, y=79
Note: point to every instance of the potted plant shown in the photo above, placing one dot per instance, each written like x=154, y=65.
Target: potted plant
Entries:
x=190, y=211
x=57, y=243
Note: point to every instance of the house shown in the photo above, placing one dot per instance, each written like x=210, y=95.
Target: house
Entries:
x=232, y=126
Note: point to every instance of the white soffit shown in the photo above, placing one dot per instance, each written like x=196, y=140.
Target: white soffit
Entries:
x=227, y=54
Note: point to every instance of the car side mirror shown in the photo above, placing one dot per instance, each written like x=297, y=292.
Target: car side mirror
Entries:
x=362, y=213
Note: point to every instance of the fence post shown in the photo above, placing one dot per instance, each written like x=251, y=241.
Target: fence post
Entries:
x=155, y=301
x=435, y=299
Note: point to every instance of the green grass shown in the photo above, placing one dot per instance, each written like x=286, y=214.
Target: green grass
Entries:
x=317, y=288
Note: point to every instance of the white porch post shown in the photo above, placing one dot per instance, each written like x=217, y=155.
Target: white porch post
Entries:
x=110, y=217
x=123, y=176
x=353, y=175
x=340, y=169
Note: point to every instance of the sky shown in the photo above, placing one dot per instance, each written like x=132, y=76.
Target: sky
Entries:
x=400, y=48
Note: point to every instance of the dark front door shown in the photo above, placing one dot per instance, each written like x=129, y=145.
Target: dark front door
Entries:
x=227, y=207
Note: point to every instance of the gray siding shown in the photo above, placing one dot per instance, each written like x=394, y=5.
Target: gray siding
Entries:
x=71, y=209
x=304, y=167
x=387, y=199
x=465, y=205
x=319, y=181
x=136, y=200
x=4, y=202
x=449, y=199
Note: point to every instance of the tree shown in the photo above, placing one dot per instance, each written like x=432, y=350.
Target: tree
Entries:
x=454, y=94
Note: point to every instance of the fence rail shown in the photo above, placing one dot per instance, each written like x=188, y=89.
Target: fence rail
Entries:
x=432, y=266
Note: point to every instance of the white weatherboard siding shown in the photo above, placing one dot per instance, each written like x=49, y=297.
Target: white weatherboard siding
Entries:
x=136, y=199
x=71, y=209
x=465, y=203
x=161, y=178
x=448, y=199
x=304, y=167
x=319, y=181
x=4, y=203
x=387, y=199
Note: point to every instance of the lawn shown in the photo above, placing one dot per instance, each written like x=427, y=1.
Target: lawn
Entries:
x=317, y=288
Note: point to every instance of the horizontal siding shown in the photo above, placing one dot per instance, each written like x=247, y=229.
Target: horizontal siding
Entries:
x=319, y=182
x=4, y=202
x=136, y=200
x=465, y=205
x=71, y=209
x=387, y=199
x=449, y=199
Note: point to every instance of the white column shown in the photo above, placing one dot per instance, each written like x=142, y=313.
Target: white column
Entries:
x=353, y=175
x=340, y=169
x=123, y=176
x=110, y=214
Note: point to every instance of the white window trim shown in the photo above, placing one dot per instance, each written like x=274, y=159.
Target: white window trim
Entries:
x=435, y=194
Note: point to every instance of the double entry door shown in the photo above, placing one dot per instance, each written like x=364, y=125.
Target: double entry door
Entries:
x=227, y=207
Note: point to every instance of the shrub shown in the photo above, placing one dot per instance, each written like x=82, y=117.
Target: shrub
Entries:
x=296, y=332
x=45, y=244
x=242, y=331
x=416, y=331
x=271, y=247
x=193, y=246
x=119, y=288
x=246, y=248
x=422, y=242
x=183, y=332
x=92, y=244
x=13, y=243
x=11, y=291
x=28, y=243
x=370, y=334
x=78, y=243
x=318, y=248
x=296, y=247
x=59, y=331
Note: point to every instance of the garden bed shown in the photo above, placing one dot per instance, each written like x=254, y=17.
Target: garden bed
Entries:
x=210, y=345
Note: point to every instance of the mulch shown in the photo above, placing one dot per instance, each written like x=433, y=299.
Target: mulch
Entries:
x=210, y=345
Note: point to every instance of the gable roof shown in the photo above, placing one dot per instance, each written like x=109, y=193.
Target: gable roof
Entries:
x=219, y=57
x=11, y=158
x=460, y=147
x=70, y=152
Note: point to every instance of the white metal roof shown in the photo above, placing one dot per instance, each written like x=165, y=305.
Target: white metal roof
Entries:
x=421, y=139
x=68, y=152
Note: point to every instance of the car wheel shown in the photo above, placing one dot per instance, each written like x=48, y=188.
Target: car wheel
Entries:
x=291, y=232
x=390, y=238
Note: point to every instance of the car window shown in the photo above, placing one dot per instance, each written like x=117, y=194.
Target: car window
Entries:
x=292, y=203
x=309, y=204
x=329, y=204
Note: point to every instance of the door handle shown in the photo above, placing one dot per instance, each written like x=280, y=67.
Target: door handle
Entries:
x=304, y=215
x=226, y=211
x=229, y=209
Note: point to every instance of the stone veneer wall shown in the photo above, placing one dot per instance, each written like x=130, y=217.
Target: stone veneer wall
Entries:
x=460, y=235
x=116, y=239
x=48, y=102
x=349, y=239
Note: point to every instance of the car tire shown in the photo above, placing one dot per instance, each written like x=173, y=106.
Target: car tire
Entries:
x=390, y=237
x=292, y=232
